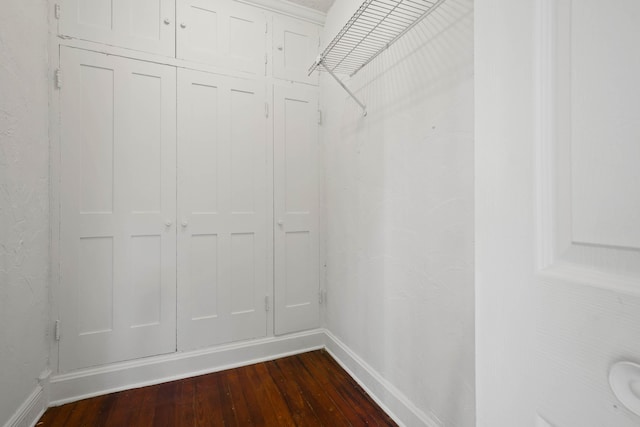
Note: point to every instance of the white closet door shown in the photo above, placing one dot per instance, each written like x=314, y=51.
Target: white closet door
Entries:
x=118, y=237
x=295, y=47
x=296, y=209
x=226, y=34
x=146, y=25
x=222, y=190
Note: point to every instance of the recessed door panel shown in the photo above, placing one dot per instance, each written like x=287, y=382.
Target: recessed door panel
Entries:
x=96, y=163
x=145, y=155
x=203, y=277
x=222, y=240
x=118, y=254
x=145, y=289
x=296, y=209
x=95, y=274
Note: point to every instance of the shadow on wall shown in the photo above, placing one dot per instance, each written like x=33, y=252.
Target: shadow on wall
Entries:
x=427, y=61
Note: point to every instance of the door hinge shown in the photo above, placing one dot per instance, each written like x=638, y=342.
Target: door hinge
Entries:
x=265, y=58
x=58, y=78
x=56, y=10
x=266, y=27
x=267, y=306
x=319, y=117
x=56, y=330
x=266, y=109
x=322, y=296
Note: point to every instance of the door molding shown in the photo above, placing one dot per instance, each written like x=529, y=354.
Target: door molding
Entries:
x=559, y=255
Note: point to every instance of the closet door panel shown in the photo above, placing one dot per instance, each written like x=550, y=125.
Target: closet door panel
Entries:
x=117, y=284
x=149, y=160
x=222, y=208
x=226, y=34
x=295, y=47
x=296, y=209
x=146, y=25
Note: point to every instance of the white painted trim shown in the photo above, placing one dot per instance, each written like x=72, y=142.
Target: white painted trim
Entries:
x=31, y=409
x=385, y=394
x=553, y=229
x=91, y=382
x=82, y=384
x=291, y=9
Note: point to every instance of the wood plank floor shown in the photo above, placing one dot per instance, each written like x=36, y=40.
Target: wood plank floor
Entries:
x=308, y=389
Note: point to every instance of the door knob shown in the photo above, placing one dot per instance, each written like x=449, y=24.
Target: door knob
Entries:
x=184, y=224
x=183, y=25
x=167, y=21
x=280, y=222
x=168, y=223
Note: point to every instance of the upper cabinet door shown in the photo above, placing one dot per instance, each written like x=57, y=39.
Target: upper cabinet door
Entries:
x=295, y=47
x=221, y=33
x=145, y=25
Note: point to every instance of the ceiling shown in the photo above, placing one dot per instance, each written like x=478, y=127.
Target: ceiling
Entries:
x=321, y=5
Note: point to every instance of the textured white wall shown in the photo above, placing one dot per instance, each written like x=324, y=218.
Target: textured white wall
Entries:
x=398, y=211
x=24, y=200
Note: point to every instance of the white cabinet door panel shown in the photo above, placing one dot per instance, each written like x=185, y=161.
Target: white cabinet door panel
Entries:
x=226, y=34
x=145, y=25
x=296, y=209
x=295, y=47
x=118, y=241
x=222, y=242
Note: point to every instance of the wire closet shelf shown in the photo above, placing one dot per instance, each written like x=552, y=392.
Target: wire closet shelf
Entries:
x=375, y=26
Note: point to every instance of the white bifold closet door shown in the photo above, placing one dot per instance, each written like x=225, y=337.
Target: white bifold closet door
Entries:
x=145, y=25
x=222, y=194
x=118, y=203
x=296, y=208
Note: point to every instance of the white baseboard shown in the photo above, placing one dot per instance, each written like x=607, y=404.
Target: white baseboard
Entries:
x=155, y=370
x=32, y=408
x=390, y=399
x=91, y=382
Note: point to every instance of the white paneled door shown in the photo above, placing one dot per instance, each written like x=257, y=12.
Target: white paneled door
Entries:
x=145, y=25
x=118, y=195
x=557, y=213
x=222, y=193
x=222, y=33
x=295, y=47
x=296, y=208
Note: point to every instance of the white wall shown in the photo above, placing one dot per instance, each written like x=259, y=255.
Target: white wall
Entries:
x=24, y=203
x=398, y=212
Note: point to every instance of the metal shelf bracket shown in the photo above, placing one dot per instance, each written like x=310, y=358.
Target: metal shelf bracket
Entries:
x=320, y=63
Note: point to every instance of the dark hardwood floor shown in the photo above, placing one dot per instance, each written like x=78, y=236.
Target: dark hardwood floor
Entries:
x=308, y=389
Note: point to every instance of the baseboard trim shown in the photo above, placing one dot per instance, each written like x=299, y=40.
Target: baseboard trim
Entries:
x=31, y=409
x=92, y=382
x=385, y=394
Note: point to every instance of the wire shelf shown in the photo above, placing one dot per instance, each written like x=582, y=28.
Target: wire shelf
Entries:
x=375, y=26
